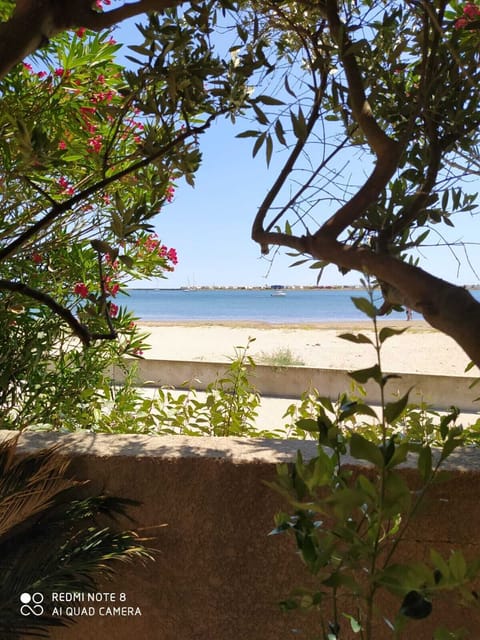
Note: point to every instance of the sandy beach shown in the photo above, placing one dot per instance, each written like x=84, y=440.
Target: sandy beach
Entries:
x=420, y=349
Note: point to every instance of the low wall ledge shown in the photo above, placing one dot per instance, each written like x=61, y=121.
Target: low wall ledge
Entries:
x=234, y=450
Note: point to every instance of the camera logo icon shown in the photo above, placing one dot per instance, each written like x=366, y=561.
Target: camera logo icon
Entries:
x=32, y=604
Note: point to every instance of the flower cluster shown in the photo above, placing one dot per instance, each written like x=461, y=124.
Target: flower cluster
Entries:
x=151, y=244
x=81, y=289
x=99, y=4
x=470, y=12
x=169, y=254
x=110, y=286
x=65, y=186
x=113, y=309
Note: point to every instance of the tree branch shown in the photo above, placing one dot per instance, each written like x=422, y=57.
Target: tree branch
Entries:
x=446, y=307
x=62, y=207
x=77, y=327
x=365, y=196
x=96, y=21
x=258, y=230
x=381, y=144
x=34, y=22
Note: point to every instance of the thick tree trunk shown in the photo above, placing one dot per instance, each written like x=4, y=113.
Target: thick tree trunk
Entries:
x=445, y=306
x=34, y=22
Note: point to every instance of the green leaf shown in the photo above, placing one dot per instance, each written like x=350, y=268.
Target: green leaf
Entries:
x=269, y=149
x=250, y=133
x=258, y=144
x=269, y=100
x=299, y=125
x=363, y=375
x=397, y=497
x=356, y=409
x=363, y=449
x=288, y=88
x=308, y=424
x=425, y=463
x=354, y=624
x=101, y=246
x=365, y=306
x=399, y=455
x=299, y=262
x=388, y=332
x=439, y=563
x=280, y=133
x=127, y=261
x=358, y=338
x=446, y=420
x=457, y=566
x=261, y=117
x=394, y=409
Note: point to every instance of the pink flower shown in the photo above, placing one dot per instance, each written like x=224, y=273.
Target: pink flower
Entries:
x=461, y=23
x=65, y=185
x=115, y=265
x=95, y=144
x=59, y=72
x=86, y=111
x=113, y=309
x=471, y=10
x=62, y=145
x=172, y=256
x=81, y=289
x=151, y=243
x=27, y=67
x=170, y=192
x=41, y=74
x=37, y=258
x=111, y=287
x=81, y=32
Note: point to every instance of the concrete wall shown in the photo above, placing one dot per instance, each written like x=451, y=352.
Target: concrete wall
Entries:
x=217, y=575
x=290, y=382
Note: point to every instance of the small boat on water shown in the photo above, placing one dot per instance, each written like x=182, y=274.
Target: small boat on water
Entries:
x=278, y=290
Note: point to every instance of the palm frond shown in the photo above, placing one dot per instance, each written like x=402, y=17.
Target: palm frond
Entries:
x=51, y=540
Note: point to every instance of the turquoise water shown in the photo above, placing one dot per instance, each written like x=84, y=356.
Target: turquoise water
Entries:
x=296, y=306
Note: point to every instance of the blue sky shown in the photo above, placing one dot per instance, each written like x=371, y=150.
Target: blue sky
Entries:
x=210, y=224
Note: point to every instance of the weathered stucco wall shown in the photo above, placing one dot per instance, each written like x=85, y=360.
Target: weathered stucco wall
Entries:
x=217, y=575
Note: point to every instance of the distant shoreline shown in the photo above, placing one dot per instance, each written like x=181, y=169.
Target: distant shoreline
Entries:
x=351, y=325
x=468, y=287
x=253, y=288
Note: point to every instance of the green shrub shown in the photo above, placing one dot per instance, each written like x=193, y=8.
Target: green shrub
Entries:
x=349, y=525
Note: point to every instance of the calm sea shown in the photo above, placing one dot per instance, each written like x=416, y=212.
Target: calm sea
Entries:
x=296, y=306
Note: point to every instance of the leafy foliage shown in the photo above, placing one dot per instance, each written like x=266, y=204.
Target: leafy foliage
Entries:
x=228, y=407
x=90, y=153
x=348, y=525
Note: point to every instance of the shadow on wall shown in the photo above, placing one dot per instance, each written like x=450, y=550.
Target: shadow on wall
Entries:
x=217, y=575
